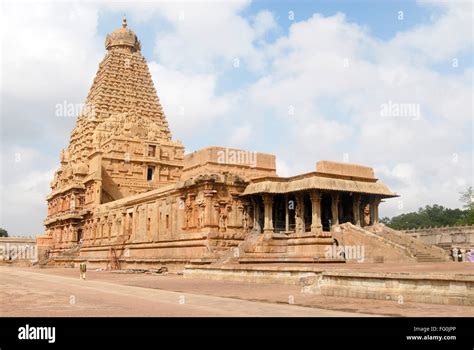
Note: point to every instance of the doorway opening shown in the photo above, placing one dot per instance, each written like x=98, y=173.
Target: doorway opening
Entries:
x=346, y=210
x=326, y=211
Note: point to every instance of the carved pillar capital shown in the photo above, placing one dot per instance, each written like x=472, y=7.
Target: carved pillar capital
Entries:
x=315, y=196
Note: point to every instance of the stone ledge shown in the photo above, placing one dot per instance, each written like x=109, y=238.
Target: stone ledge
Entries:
x=264, y=258
x=453, y=289
x=401, y=275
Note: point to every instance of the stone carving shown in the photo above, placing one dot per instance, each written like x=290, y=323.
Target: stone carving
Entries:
x=245, y=220
x=367, y=214
x=201, y=216
x=223, y=219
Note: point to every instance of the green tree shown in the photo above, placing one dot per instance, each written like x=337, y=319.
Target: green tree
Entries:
x=467, y=198
x=435, y=215
x=3, y=233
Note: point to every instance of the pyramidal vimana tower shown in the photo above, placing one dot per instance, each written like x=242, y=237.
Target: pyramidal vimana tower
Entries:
x=126, y=195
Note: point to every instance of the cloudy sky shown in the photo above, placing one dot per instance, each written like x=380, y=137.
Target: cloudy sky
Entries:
x=304, y=80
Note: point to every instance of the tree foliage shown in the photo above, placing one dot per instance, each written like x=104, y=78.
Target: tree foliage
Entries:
x=436, y=215
x=467, y=198
x=3, y=233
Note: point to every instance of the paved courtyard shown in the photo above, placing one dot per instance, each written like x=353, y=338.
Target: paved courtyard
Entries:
x=60, y=292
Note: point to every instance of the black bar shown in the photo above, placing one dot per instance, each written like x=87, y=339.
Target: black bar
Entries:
x=379, y=332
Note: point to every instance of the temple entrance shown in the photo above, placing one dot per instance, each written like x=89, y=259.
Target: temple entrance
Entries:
x=326, y=212
x=346, y=211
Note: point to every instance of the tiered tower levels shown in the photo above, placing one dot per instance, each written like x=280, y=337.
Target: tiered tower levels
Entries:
x=121, y=144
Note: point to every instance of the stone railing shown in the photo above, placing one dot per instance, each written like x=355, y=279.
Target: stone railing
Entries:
x=446, y=236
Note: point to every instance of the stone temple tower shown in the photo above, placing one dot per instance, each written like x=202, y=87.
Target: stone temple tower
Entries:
x=121, y=144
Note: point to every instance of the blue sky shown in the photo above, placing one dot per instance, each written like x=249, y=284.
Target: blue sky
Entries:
x=334, y=65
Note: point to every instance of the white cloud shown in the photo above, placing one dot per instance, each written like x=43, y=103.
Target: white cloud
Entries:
x=282, y=168
x=443, y=39
x=335, y=76
x=263, y=23
x=189, y=100
x=210, y=36
x=25, y=175
x=48, y=48
x=240, y=135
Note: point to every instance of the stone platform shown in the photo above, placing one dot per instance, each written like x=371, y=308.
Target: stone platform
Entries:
x=436, y=283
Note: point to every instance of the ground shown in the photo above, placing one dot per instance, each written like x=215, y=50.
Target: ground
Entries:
x=60, y=292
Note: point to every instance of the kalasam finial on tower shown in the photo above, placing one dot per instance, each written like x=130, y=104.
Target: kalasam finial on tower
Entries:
x=122, y=39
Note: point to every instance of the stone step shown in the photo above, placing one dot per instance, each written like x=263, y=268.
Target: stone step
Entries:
x=428, y=259
x=257, y=258
x=427, y=256
x=271, y=249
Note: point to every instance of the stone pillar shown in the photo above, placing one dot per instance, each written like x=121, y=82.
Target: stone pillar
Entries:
x=268, y=219
x=287, y=214
x=335, y=209
x=209, y=208
x=117, y=224
x=74, y=234
x=374, y=210
x=235, y=219
x=256, y=216
x=135, y=223
x=95, y=229
x=192, y=220
x=356, y=208
x=299, y=214
x=123, y=228
x=216, y=214
x=182, y=212
x=201, y=215
x=61, y=236
x=72, y=203
x=316, y=226
x=143, y=221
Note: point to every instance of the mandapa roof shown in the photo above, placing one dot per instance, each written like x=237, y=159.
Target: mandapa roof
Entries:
x=315, y=181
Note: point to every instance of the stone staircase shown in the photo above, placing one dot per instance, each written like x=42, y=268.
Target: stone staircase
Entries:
x=446, y=246
x=66, y=256
x=421, y=251
x=263, y=249
x=233, y=254
x=426, y=257
x=71, y=252
x=282, y=248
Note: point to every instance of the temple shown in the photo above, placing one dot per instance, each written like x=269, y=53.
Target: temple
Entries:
x=126, y=194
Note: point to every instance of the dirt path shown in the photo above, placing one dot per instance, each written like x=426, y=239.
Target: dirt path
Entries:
x=33, y=293
x=39, y=294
